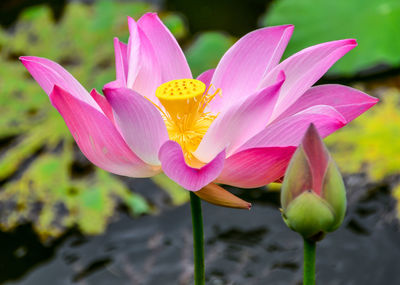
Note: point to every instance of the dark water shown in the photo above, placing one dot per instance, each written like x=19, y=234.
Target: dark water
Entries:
x=242, y=247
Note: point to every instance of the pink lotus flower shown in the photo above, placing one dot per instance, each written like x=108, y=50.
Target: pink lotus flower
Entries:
x=237, y=124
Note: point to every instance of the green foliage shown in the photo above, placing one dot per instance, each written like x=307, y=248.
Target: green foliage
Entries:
x=46, y=192
x=374, y=23
x=36, y=149
x=371, y=143
x=206, y=51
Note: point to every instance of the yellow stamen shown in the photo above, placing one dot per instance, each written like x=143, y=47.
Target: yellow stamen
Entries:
x=184, y=101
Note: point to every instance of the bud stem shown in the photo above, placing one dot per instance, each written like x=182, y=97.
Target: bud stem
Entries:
x=198, y=239
x=309, y=262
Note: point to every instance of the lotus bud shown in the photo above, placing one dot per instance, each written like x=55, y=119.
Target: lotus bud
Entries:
x=313, y=195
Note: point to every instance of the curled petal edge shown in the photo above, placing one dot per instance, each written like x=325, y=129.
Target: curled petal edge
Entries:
x=214, y=194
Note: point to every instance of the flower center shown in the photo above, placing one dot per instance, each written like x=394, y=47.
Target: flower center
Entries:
x=184, y=101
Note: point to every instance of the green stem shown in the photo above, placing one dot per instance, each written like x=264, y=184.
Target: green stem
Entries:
x=198, y=239
x=309, y=262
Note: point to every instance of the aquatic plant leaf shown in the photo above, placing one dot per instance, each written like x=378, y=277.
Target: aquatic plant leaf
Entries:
x=44, y=179
x=47, y=196
x=373, y=23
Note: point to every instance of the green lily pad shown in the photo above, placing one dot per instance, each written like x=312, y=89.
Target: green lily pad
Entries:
x=373, y=23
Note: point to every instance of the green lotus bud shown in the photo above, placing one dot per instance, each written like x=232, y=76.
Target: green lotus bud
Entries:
x=313, y=195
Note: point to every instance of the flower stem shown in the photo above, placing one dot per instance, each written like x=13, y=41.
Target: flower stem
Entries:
x=309, y=262
x=198, y=239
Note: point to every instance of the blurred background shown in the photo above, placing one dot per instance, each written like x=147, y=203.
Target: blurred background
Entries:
x=64, y=221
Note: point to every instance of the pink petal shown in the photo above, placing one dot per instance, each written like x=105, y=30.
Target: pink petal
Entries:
x=139, y=121
x=97, y=137
x=121, y=61
x=289, y=131
x=206, y=76
x=113, y=84
x=48, y=73
x=317, y=156
x=103, y=103
x=348, y=101
x=256, y=167
x=303, y=69
x=239, y=123
x=243, y=66
x=280, y=47
x=193, y=179
x=144, y=73
x=133, y=52
x=170, y=57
